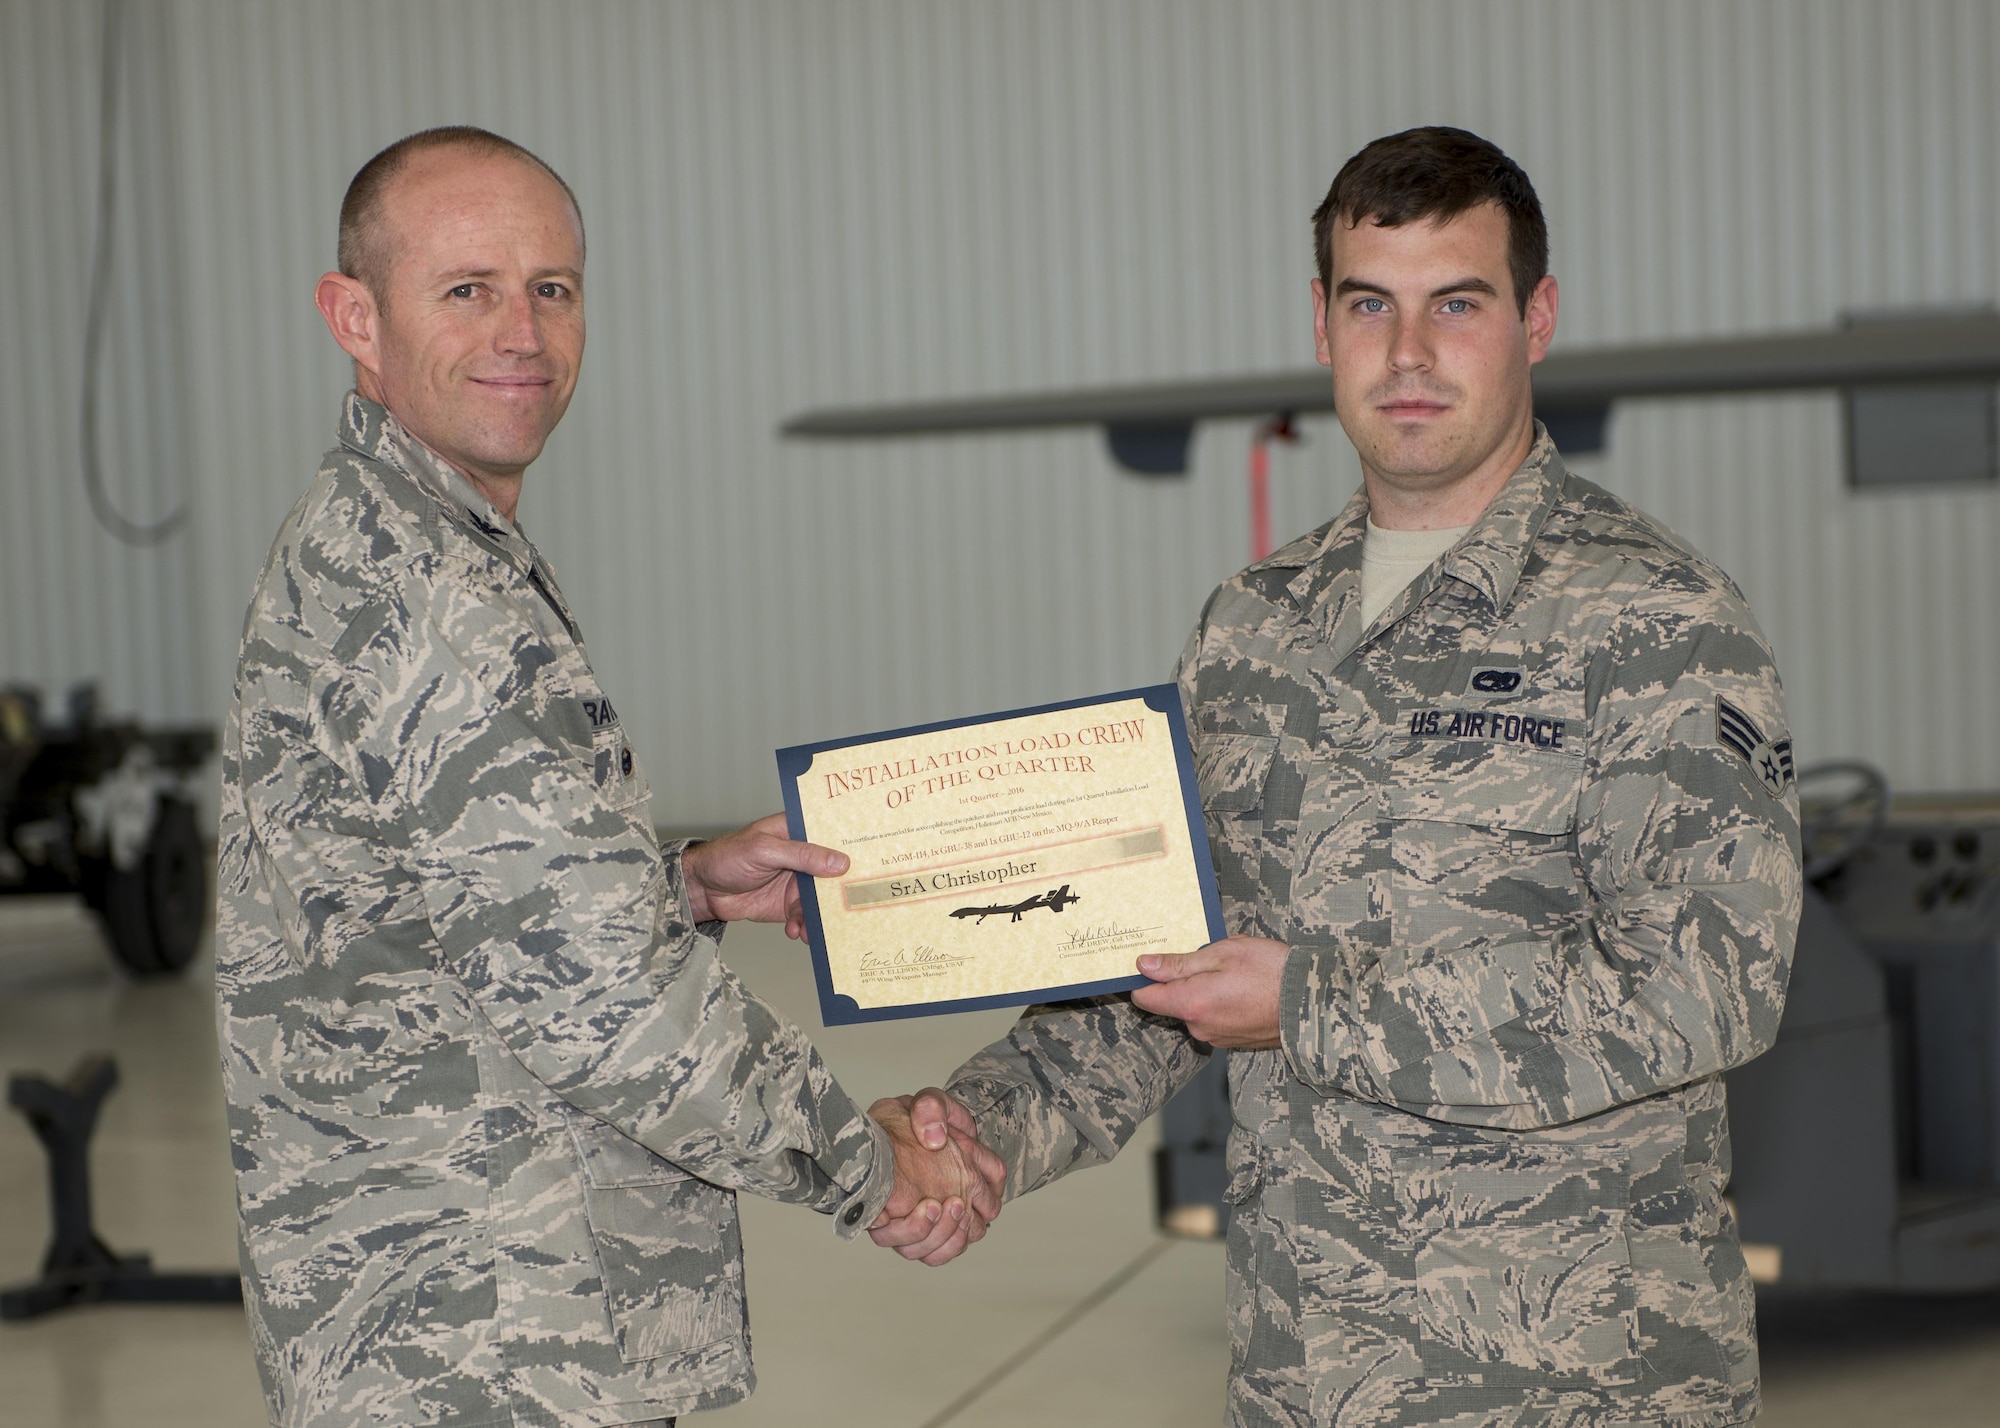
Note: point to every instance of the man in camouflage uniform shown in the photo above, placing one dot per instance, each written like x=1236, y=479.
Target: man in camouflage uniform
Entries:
x=1512, y=872
x=490, y=1087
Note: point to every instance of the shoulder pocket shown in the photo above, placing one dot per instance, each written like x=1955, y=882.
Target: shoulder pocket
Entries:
x=669, y=1252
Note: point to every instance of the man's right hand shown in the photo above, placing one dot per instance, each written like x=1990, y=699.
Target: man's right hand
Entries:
x=747, y=875
x=948, y=1186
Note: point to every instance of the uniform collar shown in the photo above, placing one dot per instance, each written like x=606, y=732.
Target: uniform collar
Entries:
x=1489, y=558
x=1330, y=578
x=369, y=429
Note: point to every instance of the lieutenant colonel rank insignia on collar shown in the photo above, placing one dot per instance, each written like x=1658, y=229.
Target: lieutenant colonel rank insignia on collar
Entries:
x=1772, y=763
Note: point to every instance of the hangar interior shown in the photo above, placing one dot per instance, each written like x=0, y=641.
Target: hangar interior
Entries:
x=796, y=206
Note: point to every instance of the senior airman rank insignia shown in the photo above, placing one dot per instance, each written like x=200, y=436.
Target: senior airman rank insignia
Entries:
x=1772, y=763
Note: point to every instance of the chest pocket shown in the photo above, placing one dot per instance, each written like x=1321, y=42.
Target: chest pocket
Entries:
x=1483, y=845
x=1234, y=744
x=1231, y=770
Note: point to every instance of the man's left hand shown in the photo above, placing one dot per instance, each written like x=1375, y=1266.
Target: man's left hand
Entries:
x=1227, y=992
x=747, y=875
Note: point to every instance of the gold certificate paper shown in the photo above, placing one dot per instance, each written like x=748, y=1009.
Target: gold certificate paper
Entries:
x=1012, y=858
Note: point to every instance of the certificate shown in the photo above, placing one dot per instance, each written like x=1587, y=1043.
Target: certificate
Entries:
x=1012, y=858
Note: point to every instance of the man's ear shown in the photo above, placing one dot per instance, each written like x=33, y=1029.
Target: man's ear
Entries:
x=1320, y=349
x=349, y=310
x=1541, y=318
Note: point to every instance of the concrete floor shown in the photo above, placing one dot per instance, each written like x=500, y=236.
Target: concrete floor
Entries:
x=1073, y=1311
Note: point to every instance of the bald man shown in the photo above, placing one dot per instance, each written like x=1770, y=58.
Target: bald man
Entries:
x=491, y=1088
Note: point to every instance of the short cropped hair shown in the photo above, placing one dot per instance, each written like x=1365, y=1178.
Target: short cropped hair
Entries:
x=361, y=254
x=1434, y=174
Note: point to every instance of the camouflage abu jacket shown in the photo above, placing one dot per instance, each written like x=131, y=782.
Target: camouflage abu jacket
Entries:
x=1533, y=841
x=490, y=1091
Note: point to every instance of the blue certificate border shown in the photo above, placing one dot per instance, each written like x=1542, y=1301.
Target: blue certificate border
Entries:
x=838, y=1010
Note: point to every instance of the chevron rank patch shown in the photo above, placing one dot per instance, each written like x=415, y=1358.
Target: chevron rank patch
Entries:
x=1772, y=763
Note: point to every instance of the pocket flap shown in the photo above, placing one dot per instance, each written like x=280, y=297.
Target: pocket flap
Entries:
x=1230, y=770
x=612, y=1159
x=1244, y=1182
x=1491, y=787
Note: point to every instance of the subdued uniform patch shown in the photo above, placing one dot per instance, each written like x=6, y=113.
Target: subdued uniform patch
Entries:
x=1535, y=909
x=491, y=1092
x=1493, y=679
x=1770, y=761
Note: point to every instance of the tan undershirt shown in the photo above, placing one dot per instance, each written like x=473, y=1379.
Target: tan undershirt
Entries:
x=1390, y=560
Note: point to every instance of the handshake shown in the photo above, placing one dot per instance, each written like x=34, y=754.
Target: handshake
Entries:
x=948, y=1185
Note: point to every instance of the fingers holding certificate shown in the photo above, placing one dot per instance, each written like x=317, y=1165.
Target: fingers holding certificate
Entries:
x=1013, y=858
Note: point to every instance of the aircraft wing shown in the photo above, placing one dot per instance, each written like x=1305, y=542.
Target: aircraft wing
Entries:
x=1148, y=424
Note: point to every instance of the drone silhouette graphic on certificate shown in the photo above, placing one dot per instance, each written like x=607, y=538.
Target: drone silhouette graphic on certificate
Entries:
x=1055, y=900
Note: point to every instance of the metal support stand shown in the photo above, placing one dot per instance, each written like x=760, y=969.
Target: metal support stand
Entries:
x=1189, y=1174
x=79, y=1268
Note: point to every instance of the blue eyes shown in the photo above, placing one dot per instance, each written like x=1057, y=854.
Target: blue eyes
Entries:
x=1452, y=307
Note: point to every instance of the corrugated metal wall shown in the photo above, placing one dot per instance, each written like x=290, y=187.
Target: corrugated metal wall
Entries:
x=75, y=604
x=795, y=203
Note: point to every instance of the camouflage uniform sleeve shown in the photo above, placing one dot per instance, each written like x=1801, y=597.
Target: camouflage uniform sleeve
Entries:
x=1068, y=1086
x=563, y=920
x=1675, y=968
